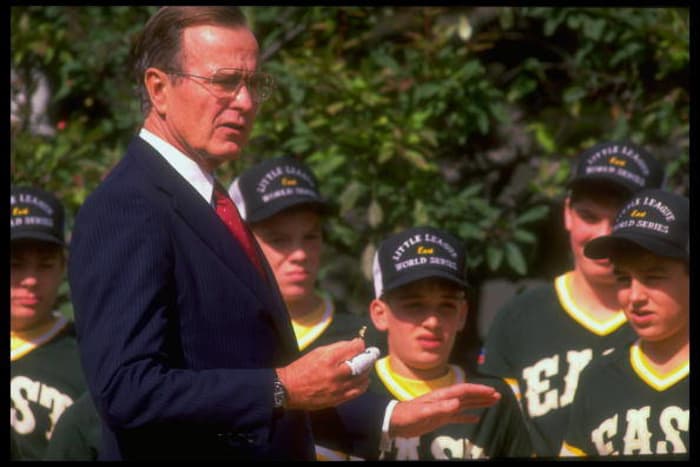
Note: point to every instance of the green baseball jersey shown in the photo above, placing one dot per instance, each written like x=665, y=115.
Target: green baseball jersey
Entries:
x=44, y=381
x=500, y=431
x=77, y=433
x=624, y=407
x=539, y=342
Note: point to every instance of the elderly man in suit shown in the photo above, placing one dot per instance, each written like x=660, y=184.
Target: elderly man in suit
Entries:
x=185, y=340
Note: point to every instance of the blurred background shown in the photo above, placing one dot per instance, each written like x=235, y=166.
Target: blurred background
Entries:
x=465, y=118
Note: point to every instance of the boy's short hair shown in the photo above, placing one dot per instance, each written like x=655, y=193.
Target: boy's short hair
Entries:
x=655, y=220
x=418, y=253
x=36, y=215
x=274, y=185
x=621, y=166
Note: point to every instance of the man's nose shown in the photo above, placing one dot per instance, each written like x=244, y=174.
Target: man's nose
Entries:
x=244, y=97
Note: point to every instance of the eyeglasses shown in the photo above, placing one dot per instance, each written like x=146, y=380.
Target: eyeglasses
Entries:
x=226, y=82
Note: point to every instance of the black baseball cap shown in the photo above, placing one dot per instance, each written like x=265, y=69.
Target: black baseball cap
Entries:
x=418, y=253
x=37, y=215
x=655, y=220
x=623, y=165
x=273, y=185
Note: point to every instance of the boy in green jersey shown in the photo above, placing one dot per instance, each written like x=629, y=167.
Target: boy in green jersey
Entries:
x=45, y=371
x=280, y=201
x=636, y=401
x=542, y=339
x=419, y=282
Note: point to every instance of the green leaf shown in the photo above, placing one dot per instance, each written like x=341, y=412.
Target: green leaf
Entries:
x=573, y=94
x=494, y=257
x=533, y=214
x=543, y=136
x=420, y=213
x=521, y=87
x=350, y=195
x=524, y=236
x=375, y=215
x=515, y=258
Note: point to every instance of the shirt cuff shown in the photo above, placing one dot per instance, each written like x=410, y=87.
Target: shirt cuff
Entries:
x=385, y=442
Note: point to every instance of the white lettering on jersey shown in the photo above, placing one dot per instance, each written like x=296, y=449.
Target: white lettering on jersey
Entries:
x=602, y=435
x=22, y=391
x=537, y=385
x=57, y=402
x=668, y=417
x=577, y=362
x=637, y=440
x=540, y=398
x=457, y=449
x=407, y=448
x=637, y=437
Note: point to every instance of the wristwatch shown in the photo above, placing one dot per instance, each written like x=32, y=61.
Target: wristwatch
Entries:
x=279, y=394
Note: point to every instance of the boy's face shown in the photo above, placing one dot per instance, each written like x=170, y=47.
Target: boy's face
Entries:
x=36, y=271
x=654, y=294
x=421, y=320
x=292, y=241
x=587, y=218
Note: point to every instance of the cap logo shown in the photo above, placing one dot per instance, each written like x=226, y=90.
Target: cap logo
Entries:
x=285, y=180
x=20, y=214
x=661, y=207
x=24, y=198
x=635, y=216
x=422, y=249
x=617, y=161
x=17, y=211
x=614, y=160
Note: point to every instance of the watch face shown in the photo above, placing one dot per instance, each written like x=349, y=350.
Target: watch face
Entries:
x=279, y=394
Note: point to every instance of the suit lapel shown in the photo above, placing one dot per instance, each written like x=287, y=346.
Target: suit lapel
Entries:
x=194, y=211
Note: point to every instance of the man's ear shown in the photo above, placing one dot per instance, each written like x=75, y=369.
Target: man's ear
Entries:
x=378, y=310
x=158, y=85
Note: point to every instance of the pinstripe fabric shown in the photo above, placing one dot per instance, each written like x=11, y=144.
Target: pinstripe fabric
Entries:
x=178, y=332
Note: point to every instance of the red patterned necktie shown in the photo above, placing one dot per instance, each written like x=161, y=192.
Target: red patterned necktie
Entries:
x=228, y=213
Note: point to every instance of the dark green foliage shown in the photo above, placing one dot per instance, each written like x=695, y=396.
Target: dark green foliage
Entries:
x=464, y=118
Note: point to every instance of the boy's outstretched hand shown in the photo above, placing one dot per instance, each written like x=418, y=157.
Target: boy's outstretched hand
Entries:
x=440, y=407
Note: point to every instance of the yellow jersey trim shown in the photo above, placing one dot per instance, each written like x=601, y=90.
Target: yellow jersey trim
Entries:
x=649, y=375
x=406, y=389
x=514, y=386
x=311, y=326
x=567, y=450
x=21, y=343
x=562, y=284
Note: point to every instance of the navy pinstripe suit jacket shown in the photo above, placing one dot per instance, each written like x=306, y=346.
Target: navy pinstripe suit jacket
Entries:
x=178, y=333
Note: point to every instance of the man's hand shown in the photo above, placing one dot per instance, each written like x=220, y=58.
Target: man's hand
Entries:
x=321, y=378
x=440, y=407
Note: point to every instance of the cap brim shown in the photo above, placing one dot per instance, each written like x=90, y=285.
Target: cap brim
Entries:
x=273, y=208
x=413, y=276
x=40, y=236
x=604, y=247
